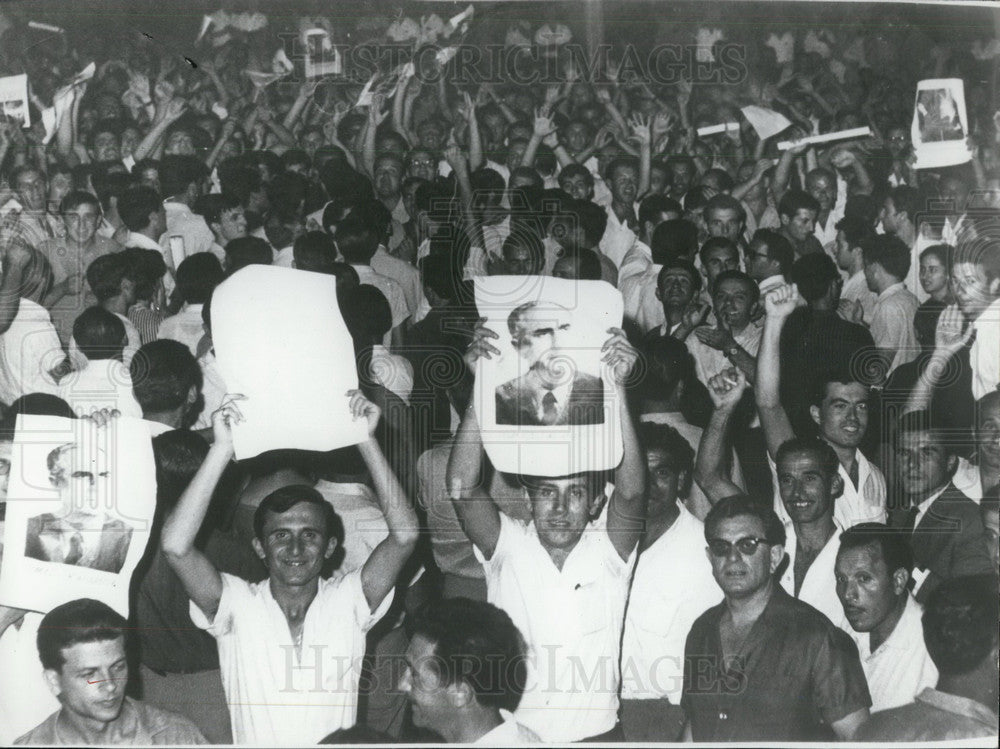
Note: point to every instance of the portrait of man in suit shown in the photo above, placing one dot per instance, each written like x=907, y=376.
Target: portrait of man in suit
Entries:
x=552, y=392
x=81, y=534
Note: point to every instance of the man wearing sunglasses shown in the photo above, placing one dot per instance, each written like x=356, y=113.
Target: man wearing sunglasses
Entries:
x=761, y=665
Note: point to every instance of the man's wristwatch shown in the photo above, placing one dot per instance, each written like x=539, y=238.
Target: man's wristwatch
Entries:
x=732, y=351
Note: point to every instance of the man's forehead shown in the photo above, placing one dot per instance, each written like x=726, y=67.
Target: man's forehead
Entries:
x=302, y=514
x=854, y=392
x=867, y=557
x=94, y=653
x=739, y=526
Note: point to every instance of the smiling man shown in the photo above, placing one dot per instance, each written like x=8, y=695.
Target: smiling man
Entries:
x=563, y=578
x=762, y=666
x=291, y=646
x=82, y=648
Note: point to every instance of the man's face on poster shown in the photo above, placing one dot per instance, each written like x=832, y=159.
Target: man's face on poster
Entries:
x=78, y=478
x=537, y=336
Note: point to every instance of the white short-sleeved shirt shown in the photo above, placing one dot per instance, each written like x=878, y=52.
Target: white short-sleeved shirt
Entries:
x=892, y=324
x=900, y=668
x=856, y=290
x=275, y=699
x=186, y=326
x=819, y=586
x=672, y=586
x=618, y=237
x=103, y=383
x=572, y=622
x=29, y=350
x=865, y=504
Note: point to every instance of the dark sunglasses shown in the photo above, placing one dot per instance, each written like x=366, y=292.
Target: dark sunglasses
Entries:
x=747, y=546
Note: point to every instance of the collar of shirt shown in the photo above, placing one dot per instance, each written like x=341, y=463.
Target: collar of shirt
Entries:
x=135, y=239
x=561, y=393
x=177, y=209
x=895, y=288
x=989, y=316
x=952, y=703
x=925, y=505
x=902, y=637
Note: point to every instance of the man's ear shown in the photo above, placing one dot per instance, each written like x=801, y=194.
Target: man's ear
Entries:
x=785, y=220
x=259, y=548
x=994, y=286
x=814, y=412
x=460, y=694
x=837, y=485
x=658, y=294
x=900, y=578
x=777, y=555
x=331, y=546
x=192, y=395
x=216, y=227
x=755, y=310
x=52, y=681
x=952, y=464
x=597, y=502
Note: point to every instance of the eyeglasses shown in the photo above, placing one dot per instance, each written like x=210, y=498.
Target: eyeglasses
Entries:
x=747, y=546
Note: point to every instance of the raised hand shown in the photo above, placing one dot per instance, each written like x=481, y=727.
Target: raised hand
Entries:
x=480, y=348
x=952, y=333
x=779, y=303
x=727, y=387
x=225, y=418
x=718, y=338
x=543, y=125
x=619, y=355
x=362, y=408
x=695, y=314
x=641, y=129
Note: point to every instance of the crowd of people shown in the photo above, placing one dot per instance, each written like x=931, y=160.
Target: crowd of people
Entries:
x=802, y=539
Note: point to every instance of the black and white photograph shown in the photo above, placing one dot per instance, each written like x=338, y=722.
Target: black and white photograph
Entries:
x=500, y=372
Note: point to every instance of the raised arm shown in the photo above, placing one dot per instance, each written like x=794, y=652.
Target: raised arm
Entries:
x=711, y=469
x=477, y=513
x=641, y=131
x=950, y=337
x=627, y=507
x=379, y=573
x=778, y=305
x=200, y=578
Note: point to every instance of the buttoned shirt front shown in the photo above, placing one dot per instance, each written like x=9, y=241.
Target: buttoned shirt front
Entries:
x=900, y=668
x=819, y=585
x=672, y=586
x=275, y=696
x=795, y=675
x=572, y=622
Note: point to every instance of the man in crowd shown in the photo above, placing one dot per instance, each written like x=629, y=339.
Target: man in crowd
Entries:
x=735, y=648
x=81, y=645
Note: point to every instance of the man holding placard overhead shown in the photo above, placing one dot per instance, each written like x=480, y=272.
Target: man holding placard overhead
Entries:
x=290, y=647
x=563, y=578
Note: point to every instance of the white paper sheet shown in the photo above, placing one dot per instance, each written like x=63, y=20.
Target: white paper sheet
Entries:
x=280, y=341
x=14, y=98
x=854, y=132
x=725, y=127
x=72, y=536
x=940, y=124
x=765, y=121
x=580, y=429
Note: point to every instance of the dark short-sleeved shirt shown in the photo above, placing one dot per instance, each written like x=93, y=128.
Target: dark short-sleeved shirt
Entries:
x=796, y=675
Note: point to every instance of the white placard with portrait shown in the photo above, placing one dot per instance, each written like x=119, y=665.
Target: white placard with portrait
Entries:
x=547, y=406
x=80, y=504
x=940, y=124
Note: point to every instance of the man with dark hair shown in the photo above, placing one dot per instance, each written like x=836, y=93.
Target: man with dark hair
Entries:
x=183, y=180
x=143, y=214
x=797, y=211
x=759, y=631
x=623, y=226
x=838, y=409
x=948, y=537
x=223, y=212
x=167, y=381
x=113, y=285
x=579, y=264
x=357, y=241
x=577, y=180
x=887, y=261
x=466, y=668
x=197, y=277
x=399, y=270
x=82, y=648
x=102, y=381
x=265, y=630
x=725, y=217
x=247, y=251
x=851, y=230
x=734, y=339
x=769, y=259
x=960, y=631
x=314, y=251
x=873, y=576
x=571, y=552
x=32, y=223
x=671, y=237
x=672, y=585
